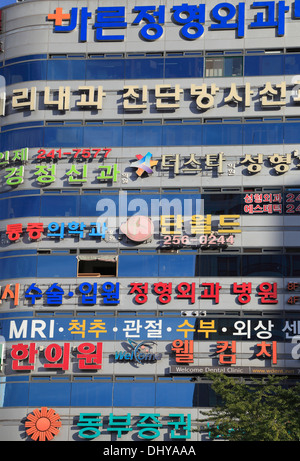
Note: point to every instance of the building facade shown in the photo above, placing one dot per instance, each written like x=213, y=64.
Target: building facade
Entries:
x=150, y=204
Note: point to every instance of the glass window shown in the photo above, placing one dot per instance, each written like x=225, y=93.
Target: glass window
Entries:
x=49, y=394
x=218, y=265
x=18, y=267
x=186, y=395
x=184, y=67
x=176, y=265
x=138, y=266
x=56, y=266
x=233, y=66
x=291, y=132
x=142, y=135
x=270, y=265
x=66, y=69
x=17, y=139
x=179, y=135
x=222, y=134
x=25, y=72
x=214, y=67
x=144, y=68
x=264, y=65
x=229, y=66
x=58, y=205
x=63, y=136
x=98, y=136
x=14, y=394
x=263, y=133
x=19, y=207
x=222, y=203
x=104, y=69
x=291, y=64
x=92, y=394
x=134, y=395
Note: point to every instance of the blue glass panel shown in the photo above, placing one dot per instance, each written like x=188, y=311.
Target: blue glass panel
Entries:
x=17, y=267
x=134, y=395
x=17, y=139
x=19, y=207
x=14, y=394
x=263, y=265
x=222, y=203
x=182, y=135
x=138, y=266
x=291, y=132
x=92, y=394
x=98, y=205
x=63, y=137
x=214, y=265
x=66, y=69
x=25, y=72
x=222, y=134
x=292, y=263
x=56, y=205
x=233, y=66
x=292, y=64
x=101, y=136
x=104, y=69
x=142, y=136
x=56, y=266
x=180, y=67
x=180, y=395
x=144, y=68
x=176, y=265
x=264, y=65
x=263, y=133
x=49, y=394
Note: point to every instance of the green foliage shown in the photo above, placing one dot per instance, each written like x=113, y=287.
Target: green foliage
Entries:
x=264, y=410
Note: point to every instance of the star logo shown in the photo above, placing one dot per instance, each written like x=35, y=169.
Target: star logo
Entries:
x=144, y=164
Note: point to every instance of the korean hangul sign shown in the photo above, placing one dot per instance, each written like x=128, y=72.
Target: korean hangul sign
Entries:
x=111, y=24
x=171, y=165
x=147, y=426
x=56, y=230
x=56, y=356
x=156, y=329
x=108, y=293
x=203, y=99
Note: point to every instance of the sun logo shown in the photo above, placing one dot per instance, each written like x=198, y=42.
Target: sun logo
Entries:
x=43, y=424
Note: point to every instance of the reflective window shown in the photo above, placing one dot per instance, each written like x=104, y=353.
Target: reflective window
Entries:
x=104, y=69
x=229, y=66
x=144, y=68
x=67, y=205
x=49, y=394
x=264, y=65
x=217, y=134
x=18, y=267
x=92, y=394
x=263, y=133
x=56, y=266
x=185, y=67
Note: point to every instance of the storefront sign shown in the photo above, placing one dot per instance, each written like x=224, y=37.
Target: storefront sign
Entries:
x=56, y=356
x=107, y=328
x=167, y=97
x=195, y=370
x=147, y=425
x=110, y=22
x=83, y=174
x=139, y=352
x=108, y=293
